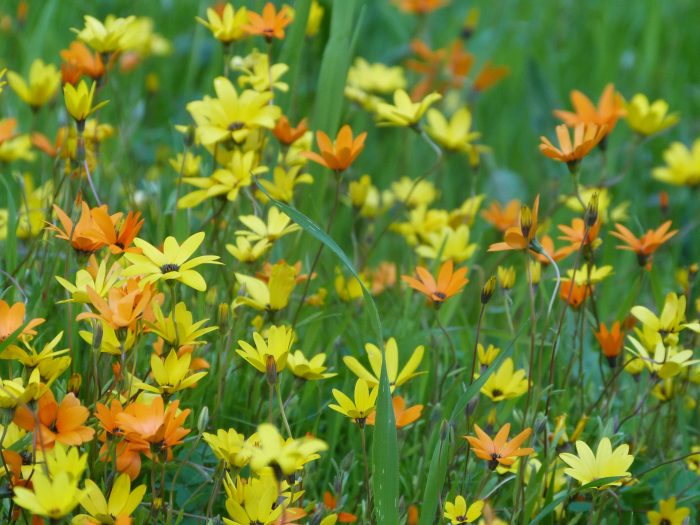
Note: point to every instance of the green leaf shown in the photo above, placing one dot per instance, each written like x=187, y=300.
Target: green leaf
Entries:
x=12, y=220
x=437, y=471
x=564, y=495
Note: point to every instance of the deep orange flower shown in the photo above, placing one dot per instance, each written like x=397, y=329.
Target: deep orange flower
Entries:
x=419, y=7
x=520, y=237
x=271, y=24
x=287, y=134
x=610, y=341
x=128, y=455
x=499, y=450
x=403, y=416
x=647, y=244
x=340, y=155
x=383, y=277
x=441, y=69
x=610, y=108
x=502, y=217
x=331, y=503
x=12, y=318
x=413, y=516
x=79, y=58
x=118, y=239
x=7, y=129
x=122, y=308
x=574, y=235
x=578, y=294
x=82, y=237
x=586, y=137
x=448, y=283
x=489, y=76
x=57, y=422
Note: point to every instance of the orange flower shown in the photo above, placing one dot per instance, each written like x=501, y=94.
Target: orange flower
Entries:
x=419, y=7
x=119, y=240
x=647, y=244
x=271, y=24
x=502, y=217
x=79, y=58
x=413, y=516
x=383, y=277
x=128, y=456
x=7, y=129
x=520, y=237
x=12, y=319
x=330, y=502
x=123, y=307
x=57, y=422
x=489, y=76
x=287, y=134
x=574, y=235
x=441, y=69
x=82, y=237
x=448, y=283
x=578, y=294
x=340, y=155
x=404, y=416
x=611, y=107
x=586, y=137
x=499, y=450
x=610, y=341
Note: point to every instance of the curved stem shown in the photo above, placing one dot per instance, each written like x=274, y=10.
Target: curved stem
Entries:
x=281, y=405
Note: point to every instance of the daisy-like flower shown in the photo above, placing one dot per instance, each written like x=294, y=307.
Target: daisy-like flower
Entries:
x=458, y=513
x=12, y=319
x=339, y=155
x=79, y=101
x=649, y=118
x=80, y=61
x=270, y=24
x=663, y=361
x=269, y=295
x=453, y=134
x=278, y=225
x=284, y=456
x=375, y=78
x=670, y=322
x=170, y=264
x=505, y=383
x=40, y=87
x=171, y=374
x=52, y=497
x=268, y=357
x=448, y=284
x=228, y=25
x=682, y=165
x=499, y=450
x=119, y=507
x=586, y=137
x=359, y=408
x=522, y=236
x=229, y=446
x=611, y=107
x=288, y=134
x=402, y=415
x=391, y=352
x=404, y=112
x=178, y=329
x=606, y=462
x=574, y=235
x=308, y=369
x=501, y=216
x=107, y=37
x=611, y=341
x=248, y=252
x=447, y=244
x=83, y=236
x=668, y=513
x=647, y=244
x=283, y=183
x=256, y=502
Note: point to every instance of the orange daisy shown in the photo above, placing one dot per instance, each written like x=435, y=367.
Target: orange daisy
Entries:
x=647, y=244
x=489, y=76
x=502, y=217
x=12, y=319
x=128, y=457
x=81, y=236
x=271, y=24
x=7, y=129
x=118, y=239
x=449, y=282
x=340, y=155
x=123, y=306
x=610, y=108
x=78, y=58
x=574, y=235
x=419, y=7
x=287, y=134
x=578, y=294
x=403, y=416
x=586, y=137
x=610, y=341
x=520, y=237
x=499, y=450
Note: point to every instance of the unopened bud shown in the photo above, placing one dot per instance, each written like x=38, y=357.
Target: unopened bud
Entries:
x=591, y=215
x=488, y=289
x=525, y=220
x=203, y=419
x=471, y=406
x=74, y=383
x=271, y=370
x=189, y=136
x=535, y=272
x=506, y=277
x=222, y=318
x=540, y=423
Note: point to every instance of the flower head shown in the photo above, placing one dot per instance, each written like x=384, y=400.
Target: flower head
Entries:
x=668, y=513
x=610, y=340
x=284, y=456
x=520, y=237
x=391, y=353
x=120, y=506
x=359, y=408
x=12, y=319
x=309, y=369
x=404, y=112
x=448, y=284
x=649, y=118
x=108, y=37
x=610, y=108
x=270, y=353
x=458, y=513
x=402, y=415
x=270, y=24
x=586, y=137
x=80, y=61
x=647, y=244
x=606, y=462
x=79, y=101
x=682, y=165
x=499, y=450
x=228, y=25
x=338, y=155
x=41, y=86
x=505, y=383
x=455, y=134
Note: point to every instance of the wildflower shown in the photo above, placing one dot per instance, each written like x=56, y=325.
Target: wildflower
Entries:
x=272, y=353
x=610, y=108
x=31, y=216
x=330, y=502
x=41, y=86
x=284, y=456
x=121, y=504
x=682, y=165
x=172, y=374
x=487, y=355
x=610, y=341
x=271, y=24
x=247, y=252
x=277, y=226
x=458, y=513
x=391, y=353
x=271, y=295
x=229, y=446
x=309, y=369
x=419, y=7
x=668, y=513
x=586, y=137
x=502, y=217
x=359, y=408
x=349, y=289
x=402, y=415
x=403, y=112
x=12, y=319
x=52, y=497
x=455, y=134
x=647, y=244
x=520, y=237
x=258, y=505
x=506, y=277
x=288, y=134
x=448, y=284
x=48, y=361
x=375, y=78
x=14, y=393
x=693, y=461
x=605, y=463
x=574, y=235
x=340, y=155
x=170, y=264
x=489, y=76
x=663, y=361
x=505, y=383
x=283, y=183
x=178, y=328
x=79, y=101
x=670, y=322
x=449, y=243
x=107, y=37
x=117, y=239
x=79, y=58
x=499, y=450
x=648, y=119
x=226, y=26
x=13, y=147
x=95, y=276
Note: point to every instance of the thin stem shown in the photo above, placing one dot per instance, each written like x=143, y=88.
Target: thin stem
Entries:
x=366, y=463
x=281, y=405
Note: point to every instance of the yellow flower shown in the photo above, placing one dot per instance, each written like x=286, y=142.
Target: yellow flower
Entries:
x=79, y=101
x=258, y=73
x=391, y=352
x=247, y=252
x=375, y=78
x=693, y=462
x=670, y=322
x=466, y=213
x=14, y=392
x=230, y=116
x=309, y=369
x=31, y=217
x=95, y=276
x=271, y=295
x=454, y=134
x=668, y=514
x=107, y=37
x=414, y=193
x=110, y=343
x=170, y=264
x=486, y=356
x=172, y=374
x=682, y=165
x=605, y=210
x=349, y=289
x=284, y=456
x=278, y=225
x=506, y=277
x=30, y=358
x=188, y=164
x=228, y=27
x=313, y=23
x=121, y=504
x=52, y=497
x=178, y=329
x=259, y=504
x=359, y=190
x=505, y=383
x=283, y=182
x=361, y=406
x=44, y=80
x=458, y=513
x=229, y=446
x=605, y=463
x=647, y=119
x=273, y=352
x=404, y=112
x=589, y=274
x=665, y=361
x=449, y=244
x=421, y=223
x=14, y=147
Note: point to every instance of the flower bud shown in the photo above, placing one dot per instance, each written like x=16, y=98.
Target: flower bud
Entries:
x=488, y=289
x=506, y=277
x=591, y=215
x=525, y=220
x=222, y=318
x=203, y=419
x=271, y=370
x=190, y=136
x=74, y=383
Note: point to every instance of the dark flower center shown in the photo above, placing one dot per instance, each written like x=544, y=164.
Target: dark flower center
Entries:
x=493, y=462
x=170, y=267
x=236, y=125
x=496, y=392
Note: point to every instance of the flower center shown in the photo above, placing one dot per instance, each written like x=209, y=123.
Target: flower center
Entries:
x=170, y=267
x=236, y=125
x=496, y=392
x=493, y=462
